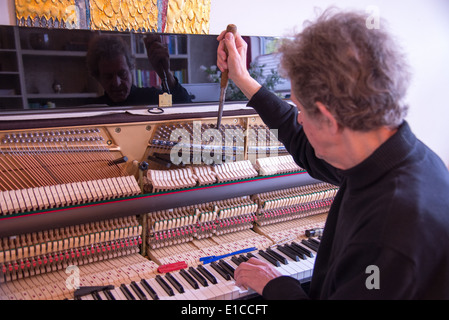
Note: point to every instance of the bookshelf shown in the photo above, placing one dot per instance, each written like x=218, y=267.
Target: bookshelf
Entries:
x=178, y=49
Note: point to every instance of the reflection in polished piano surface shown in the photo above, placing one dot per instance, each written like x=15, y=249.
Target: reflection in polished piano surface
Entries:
x=104, y=209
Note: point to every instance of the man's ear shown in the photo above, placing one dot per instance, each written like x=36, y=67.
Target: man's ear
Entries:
x=328, y=118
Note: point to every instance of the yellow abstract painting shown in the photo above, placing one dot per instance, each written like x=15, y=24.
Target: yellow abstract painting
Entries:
x=65, y=12
x=169, y=16
x=188, y=16
x=124, y=15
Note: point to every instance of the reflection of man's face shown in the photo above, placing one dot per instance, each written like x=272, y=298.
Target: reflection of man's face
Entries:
x=115, y=77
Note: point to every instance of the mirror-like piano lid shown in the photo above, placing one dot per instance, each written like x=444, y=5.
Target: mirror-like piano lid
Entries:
x=44, y=70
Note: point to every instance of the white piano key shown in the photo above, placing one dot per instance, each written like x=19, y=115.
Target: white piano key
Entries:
x=234, y=291
x=118, y=294
x=190, y=293
x=159, y=290
x=302, y=267
x=226, y=287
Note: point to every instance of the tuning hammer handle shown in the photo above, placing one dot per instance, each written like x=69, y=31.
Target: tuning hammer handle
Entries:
x=224, y=75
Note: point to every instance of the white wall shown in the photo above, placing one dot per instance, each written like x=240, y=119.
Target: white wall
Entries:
x=7, y=13
x=422, y=27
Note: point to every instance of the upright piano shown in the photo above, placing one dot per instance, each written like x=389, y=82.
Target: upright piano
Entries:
x=125, y=204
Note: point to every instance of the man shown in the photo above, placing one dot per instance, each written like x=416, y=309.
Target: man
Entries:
x=387, y=231
x=110, y=63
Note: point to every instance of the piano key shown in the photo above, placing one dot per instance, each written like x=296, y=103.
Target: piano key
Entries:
x=241, y=292
x=227, y=286
x=192, y=293
x=296, y=246
x=149, y=289
x=236, y=260
x=189, y=279
x=276, y=255
x=289, y=253
x=96, y=296
x=162, y=294
x=230, y=270
x=138, y=291
x=86, y=297
x=198, y=277
x=281, y=268
x=109, y=295
x=211, y=291
x=269, y=258
x=300, y=268
x=101, y=295
x=220, y=270
x=118, y=294
x=164, y=285
x=175, y=283
x=127, y=292
x=310, y=244
x=207, y=274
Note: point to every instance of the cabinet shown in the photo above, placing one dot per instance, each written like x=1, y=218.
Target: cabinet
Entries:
x=46, y=68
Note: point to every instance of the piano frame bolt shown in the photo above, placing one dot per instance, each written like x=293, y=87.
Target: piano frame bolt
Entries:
x=143, y=166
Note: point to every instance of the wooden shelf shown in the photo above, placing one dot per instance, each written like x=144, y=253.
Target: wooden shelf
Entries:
x=59, y=53
x=62, y=95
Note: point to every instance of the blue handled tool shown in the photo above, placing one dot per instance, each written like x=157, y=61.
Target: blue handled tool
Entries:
x=210, y=259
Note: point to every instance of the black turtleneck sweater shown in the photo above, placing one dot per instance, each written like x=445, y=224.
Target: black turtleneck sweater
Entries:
x=391, y=212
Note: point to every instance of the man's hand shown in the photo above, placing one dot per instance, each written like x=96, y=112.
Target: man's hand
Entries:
x=235, y=62
x=159, y=57
x=255, y=274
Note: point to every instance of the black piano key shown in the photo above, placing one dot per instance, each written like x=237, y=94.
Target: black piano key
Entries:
x=299, y=252
x=309, y=244
x=149, y=289
x=230, y=270
x=306, y=251
x=277, y=256
x=189, y=279
x=165, y=285
x=138, y=291
x=96, y=296
x=220, y=270
x=250, y=255
x=198, y=277
x=289, y=253
x=236, y=260
x=269, y=258
x=243, y=258
x=314, y=240
x=126, y=292
x=209, y=276
x=175, y=283
x=109, y=294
